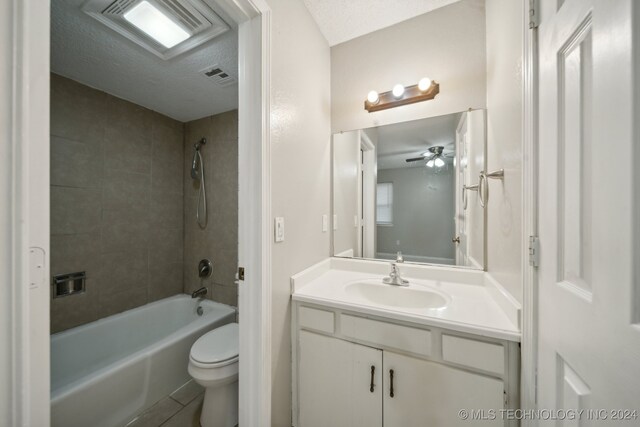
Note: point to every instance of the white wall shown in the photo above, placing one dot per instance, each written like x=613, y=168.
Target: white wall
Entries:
x=346, y=154
x=423, y=213
x=504, y=133
x=300, y=171
x=447, y=45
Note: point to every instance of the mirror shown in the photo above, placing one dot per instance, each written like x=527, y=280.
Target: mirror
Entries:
x=411, y=188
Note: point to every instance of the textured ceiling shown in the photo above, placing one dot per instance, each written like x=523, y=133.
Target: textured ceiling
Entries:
x=87, y=51
x=401, y=141
x=343, y=20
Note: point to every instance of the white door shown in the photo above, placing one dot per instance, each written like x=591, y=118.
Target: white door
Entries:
x=431, y=394
x=589, y=311
x=340, y=383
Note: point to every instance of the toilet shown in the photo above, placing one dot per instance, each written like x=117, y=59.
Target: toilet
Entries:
x=213, y=363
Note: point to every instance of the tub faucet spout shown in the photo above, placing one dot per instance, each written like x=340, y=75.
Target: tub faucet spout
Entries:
x=200, y=293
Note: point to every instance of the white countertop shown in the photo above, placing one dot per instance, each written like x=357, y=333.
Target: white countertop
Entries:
x=475, y=302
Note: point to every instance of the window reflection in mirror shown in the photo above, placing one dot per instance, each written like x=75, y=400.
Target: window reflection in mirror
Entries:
x=411, y=187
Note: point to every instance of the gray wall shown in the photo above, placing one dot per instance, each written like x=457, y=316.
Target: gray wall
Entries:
x=116, y=202
x=219, y=240
x=423, y=213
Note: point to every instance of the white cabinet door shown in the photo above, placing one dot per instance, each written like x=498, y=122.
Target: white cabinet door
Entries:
x=334, y=383
x=430, y=394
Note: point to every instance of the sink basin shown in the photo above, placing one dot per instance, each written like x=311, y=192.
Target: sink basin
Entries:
x=396, y=296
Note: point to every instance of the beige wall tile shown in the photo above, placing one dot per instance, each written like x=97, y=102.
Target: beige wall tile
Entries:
x=75, y=310
x=77, y=111
x=76, y=164
x=117, y=206
x=219, y=241
x=75, y=210
x=165, y=279
x=116, y=302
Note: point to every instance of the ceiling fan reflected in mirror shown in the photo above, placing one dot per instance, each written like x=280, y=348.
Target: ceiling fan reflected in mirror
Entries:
x=435, y=157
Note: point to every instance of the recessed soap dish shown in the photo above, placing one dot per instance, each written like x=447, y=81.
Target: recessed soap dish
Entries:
x=68, y=284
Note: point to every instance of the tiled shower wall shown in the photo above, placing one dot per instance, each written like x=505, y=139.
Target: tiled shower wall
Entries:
x=116, y=202
x=219, y=240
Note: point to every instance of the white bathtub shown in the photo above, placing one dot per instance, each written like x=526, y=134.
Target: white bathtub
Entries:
x=106, y=372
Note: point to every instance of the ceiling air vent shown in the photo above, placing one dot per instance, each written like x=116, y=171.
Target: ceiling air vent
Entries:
x=193, y=17
x=218, y=75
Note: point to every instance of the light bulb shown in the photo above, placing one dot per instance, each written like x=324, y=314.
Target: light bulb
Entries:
x=373, y=97
x=439, y=162
x=398, y=90
x=429, y=164
x=424, y=84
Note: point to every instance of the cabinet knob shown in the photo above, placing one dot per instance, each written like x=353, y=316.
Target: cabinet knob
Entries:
x=391, y=382
x=373, y=371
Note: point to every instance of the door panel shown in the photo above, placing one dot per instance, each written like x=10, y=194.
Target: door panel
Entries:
x=430, y=394
x=588, y=347
x=335, y=383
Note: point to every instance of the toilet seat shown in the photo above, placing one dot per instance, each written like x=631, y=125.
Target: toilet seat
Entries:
x=216, y=348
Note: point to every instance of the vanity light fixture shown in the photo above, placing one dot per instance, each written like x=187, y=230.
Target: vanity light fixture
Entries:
x=425, y=90
x=398, y=91
x=156, y=24
x=373, y=97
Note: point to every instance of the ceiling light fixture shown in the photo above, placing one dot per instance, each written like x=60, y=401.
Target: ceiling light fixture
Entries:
x=156, y=24
x=425, y=90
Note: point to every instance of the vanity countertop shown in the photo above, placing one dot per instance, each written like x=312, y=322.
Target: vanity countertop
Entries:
x=463, y=300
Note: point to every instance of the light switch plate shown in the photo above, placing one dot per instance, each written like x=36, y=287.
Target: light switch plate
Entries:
x=325, y=223
x=279, y=229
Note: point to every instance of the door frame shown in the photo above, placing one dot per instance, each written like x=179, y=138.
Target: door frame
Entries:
x=368, y=173
x=24, y=216
x=529, y=321
x=24, y=223
x=463, y=124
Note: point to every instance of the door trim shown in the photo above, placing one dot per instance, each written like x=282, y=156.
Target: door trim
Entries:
x=529, y=319
x=24, y=218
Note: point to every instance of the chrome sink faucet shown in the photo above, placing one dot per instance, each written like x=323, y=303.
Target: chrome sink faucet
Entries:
x=394, y=277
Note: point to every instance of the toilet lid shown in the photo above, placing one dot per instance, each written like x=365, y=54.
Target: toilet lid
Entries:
x=217, y=346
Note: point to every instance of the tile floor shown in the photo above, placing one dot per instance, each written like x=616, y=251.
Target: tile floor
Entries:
x=181, y=409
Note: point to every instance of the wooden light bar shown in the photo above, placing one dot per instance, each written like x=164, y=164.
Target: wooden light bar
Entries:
x=411, y=95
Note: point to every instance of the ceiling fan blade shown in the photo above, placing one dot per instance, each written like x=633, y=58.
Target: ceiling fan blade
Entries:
x=415, y=159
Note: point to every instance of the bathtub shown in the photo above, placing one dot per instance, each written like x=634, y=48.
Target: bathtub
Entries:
x=106, y=372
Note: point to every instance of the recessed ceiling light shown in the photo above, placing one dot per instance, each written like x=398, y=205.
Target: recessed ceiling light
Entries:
x=156, y=24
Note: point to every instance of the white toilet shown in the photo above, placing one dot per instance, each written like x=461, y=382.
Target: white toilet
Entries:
x=213, y=363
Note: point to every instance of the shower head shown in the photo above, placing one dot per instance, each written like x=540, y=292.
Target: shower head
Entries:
x=200, y=143
x=195, y=171
x=197, y=159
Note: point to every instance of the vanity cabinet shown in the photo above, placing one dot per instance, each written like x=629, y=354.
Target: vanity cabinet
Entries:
x=357, y=370
x=331, y=370
x=431, y=394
